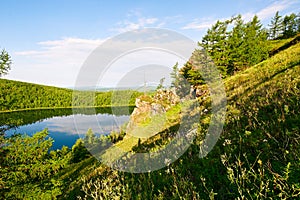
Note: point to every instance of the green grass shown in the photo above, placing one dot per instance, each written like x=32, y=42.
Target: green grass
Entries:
x=144, y=130
x=258, y=154
x=256, y=157
x=275, y=44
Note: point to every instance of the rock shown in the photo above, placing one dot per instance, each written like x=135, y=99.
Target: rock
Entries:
x=147, y=107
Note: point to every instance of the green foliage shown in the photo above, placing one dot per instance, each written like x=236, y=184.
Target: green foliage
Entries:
x=5, y=62
x=289, y=25
x=89, y=137
x=79, y=151
x=192, y=76
x=26, y=163
x=215, y=42
x=17, y=95
x=161, y=84
x=236, y=49
x=175, y=76
x=276, y=26
x=284, y=27
x=257, y=156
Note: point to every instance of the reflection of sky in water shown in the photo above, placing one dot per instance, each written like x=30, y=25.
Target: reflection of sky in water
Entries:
x=64, y=131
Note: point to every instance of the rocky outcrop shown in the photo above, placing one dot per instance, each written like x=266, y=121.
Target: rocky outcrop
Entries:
x=147, y=107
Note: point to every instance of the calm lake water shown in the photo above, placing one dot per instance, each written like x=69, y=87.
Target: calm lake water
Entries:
x=65, y=126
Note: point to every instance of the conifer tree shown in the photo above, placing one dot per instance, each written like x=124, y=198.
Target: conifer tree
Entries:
x=244, y=45
x=289, y=25
x=215, y=43
x=255, y=49
x=276, y=26
x=298, y=23
x=5, y=62
x=235, y=42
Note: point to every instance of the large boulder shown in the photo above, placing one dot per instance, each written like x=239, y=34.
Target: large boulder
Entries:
x=147, y=107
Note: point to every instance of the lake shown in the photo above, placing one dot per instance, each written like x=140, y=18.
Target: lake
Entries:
x=65, y=126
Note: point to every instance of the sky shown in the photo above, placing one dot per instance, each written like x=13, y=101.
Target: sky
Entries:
x=49, y=41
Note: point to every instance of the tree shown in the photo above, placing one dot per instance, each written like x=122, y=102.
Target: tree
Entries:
x=90, y=136
x=191, y=74
x=179, y=82
x=276, y=26
x=5, y=62
x=234, y=50
x=289, y=25
x=25, y=162
x=161, y=83
x=175, y=76
x=298, y=23
x=235, y=44
x=254, y=43
x=215, y=43
x=79, y=151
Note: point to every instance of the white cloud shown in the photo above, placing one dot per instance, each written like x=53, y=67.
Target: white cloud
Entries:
x=62, y=48
x=203, y=23
x=265, y=13
x=79, y=124
x=56, y=62
x=200, y=24
x=270, y=10
x=141, y=22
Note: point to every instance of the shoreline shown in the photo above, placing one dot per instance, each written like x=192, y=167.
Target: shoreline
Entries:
x=69, y=107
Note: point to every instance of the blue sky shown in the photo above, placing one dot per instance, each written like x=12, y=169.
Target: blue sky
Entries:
x=50, y=40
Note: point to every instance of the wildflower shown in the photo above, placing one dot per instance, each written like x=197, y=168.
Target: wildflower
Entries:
x=259, y=162
x=227, y=142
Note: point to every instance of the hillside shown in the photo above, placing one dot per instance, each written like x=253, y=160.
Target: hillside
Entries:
x=256, y=157
x=16, y=95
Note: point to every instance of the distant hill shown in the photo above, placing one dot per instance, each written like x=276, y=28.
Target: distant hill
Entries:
x=21, y=95
x=16, y=95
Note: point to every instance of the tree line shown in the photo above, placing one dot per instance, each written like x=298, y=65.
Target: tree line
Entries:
x=235, y=45
x=282, y=27
x=17, y=95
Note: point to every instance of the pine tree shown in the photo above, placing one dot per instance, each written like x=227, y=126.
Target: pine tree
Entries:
x=90, y=136
x=289, y=25
x=235, y=41
x=5, y=62
x=255, y=49
x=175, y=76
x=215, y=43
x=161, y=84
x=275, y=26
x=298, y=23
x=191, y=74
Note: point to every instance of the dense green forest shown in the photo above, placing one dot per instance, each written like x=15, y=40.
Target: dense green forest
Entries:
x=256, y=157
x=17, y=95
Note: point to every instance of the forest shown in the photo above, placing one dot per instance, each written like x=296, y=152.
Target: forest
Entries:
x=256, y=157
x=17, y=95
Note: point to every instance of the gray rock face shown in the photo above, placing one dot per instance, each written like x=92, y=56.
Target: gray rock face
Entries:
x=147, y=106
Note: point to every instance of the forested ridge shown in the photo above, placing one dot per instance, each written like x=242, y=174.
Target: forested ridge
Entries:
x=16, y=95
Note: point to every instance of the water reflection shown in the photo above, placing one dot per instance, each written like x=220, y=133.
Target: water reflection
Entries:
x=61, y=124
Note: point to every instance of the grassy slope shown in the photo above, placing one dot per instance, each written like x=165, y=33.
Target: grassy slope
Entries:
x=258, y=81
x=257, y=155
